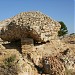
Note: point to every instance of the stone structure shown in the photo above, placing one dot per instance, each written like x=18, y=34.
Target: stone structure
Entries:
x=27, y=46
x=29, y=25
x=35, y=26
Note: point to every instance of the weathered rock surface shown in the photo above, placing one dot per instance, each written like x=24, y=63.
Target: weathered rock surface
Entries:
x=69, y=39
x=53, y=66
x=68, y=55
x=47, y=55
x=29, y=25
x=12, y=62
x=36, y=53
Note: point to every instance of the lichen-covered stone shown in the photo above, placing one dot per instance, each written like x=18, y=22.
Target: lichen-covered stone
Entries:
x=29, y=25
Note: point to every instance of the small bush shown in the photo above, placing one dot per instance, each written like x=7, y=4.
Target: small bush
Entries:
x=8, y=61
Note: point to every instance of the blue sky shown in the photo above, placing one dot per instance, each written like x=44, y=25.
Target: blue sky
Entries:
x=60, y=10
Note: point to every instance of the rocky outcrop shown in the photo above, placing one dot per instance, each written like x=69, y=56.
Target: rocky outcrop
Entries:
x=68, y=55
x=29, y=61
x=29, y=25
x=12, y=63
x=53, y=66
x=30, y=46
x=69, y=38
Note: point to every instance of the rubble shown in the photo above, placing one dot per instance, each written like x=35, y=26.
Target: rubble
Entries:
x=29, y=25
x=32, y=37
x=53, y=66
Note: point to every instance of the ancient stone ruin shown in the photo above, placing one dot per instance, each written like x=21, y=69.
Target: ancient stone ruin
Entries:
x=39, y=44
x=33, y=25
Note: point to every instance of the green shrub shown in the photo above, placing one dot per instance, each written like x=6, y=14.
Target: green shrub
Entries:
x=8, y=61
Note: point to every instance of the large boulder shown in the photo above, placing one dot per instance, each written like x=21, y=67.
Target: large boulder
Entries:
x=29, y=25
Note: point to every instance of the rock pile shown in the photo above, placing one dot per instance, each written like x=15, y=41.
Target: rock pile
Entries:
x=53, y=66
x=29, y=25
x=70, y=38
x=12, y=63
x=32, y=37
x=69, y=61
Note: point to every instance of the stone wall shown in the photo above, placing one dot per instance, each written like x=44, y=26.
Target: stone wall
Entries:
x=27, y=46
x=35, y=25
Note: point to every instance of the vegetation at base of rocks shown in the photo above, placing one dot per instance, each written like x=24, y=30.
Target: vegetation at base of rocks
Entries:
x=9, y=67
x=63, y=29
x=72, y=34
x=9, y=61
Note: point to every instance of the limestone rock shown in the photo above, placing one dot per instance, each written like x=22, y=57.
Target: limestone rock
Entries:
x=69, y=39
x=12, y=63
x=53, y=66
x=29, y=25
